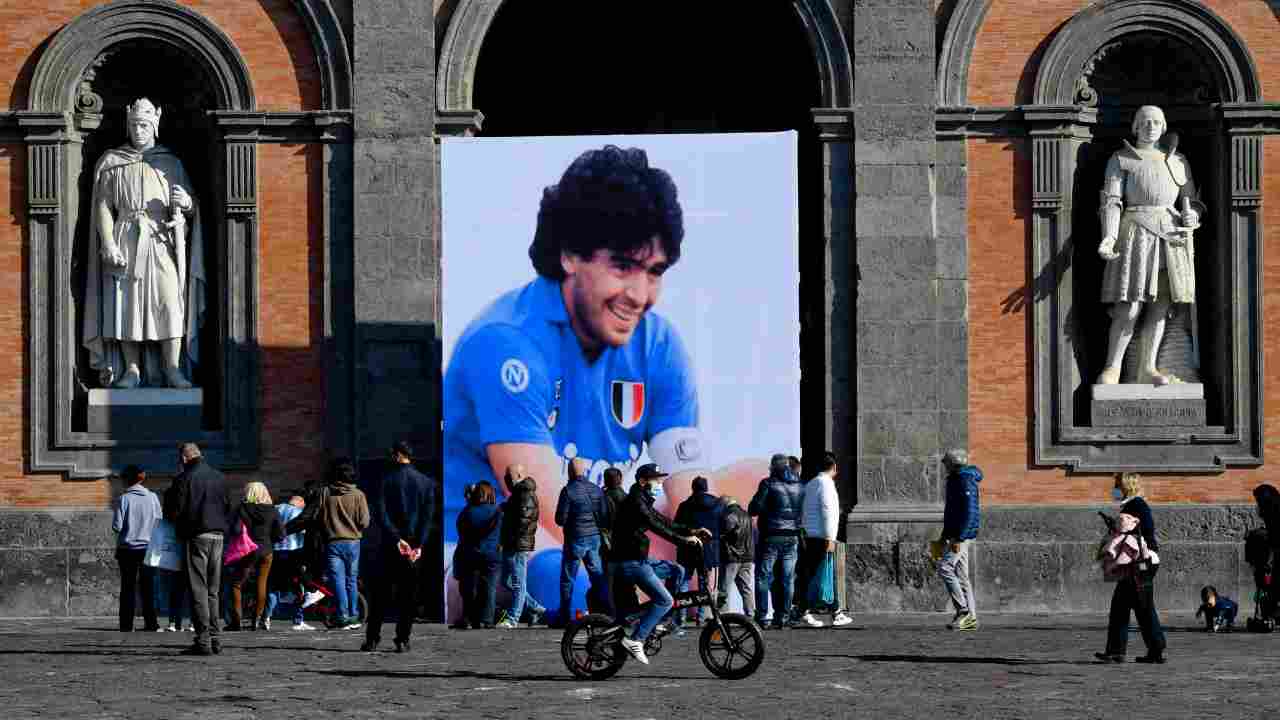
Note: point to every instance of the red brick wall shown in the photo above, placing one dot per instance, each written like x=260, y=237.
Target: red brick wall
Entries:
x=278, y=52
x=269, y=34
x=1000, y=349
x=1014, y=35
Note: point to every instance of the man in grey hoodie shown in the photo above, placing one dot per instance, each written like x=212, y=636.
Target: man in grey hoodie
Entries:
x=136, y=513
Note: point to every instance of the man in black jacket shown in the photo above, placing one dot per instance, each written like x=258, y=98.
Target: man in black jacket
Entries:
x=517, y=537
x=779, y=503
x=701, y=509
x=202, y=517
x=404, y=514
x=629, y=558
x=735, y=556
x=622, y=598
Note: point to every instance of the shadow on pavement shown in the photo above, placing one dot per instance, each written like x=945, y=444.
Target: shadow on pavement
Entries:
x=955, y=659
x=408, y=675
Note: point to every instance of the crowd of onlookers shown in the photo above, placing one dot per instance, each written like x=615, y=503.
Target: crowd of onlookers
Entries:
x=782, y=565
x=304, y=551
x=778, y=553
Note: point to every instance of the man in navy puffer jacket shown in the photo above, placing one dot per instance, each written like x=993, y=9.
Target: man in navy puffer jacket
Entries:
x=581, y=511
x=960, y=520
x=779, y=503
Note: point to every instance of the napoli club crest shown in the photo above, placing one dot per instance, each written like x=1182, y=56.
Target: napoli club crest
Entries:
x=628, y=403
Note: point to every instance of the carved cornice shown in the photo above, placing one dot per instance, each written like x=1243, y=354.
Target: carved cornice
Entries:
x=323, y=126
x=1080, y=121
x=834, y=124
x=458, y=123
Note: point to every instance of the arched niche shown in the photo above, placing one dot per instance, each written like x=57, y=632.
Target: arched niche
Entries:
x=74, y=113
x=1101, y=65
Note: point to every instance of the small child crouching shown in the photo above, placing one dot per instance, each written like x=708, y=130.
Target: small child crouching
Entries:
x=1219, y=610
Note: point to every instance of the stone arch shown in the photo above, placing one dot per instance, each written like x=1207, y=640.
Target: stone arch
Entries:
x=330, y=46
x=1098, y=25
x=957, y=49
x=471, y=20
x=56, y=83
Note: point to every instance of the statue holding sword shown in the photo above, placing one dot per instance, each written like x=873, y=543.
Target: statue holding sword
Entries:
x=145, y=295
x=1149, y=211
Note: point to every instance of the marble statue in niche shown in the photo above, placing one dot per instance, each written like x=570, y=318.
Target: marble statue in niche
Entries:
x=1149, y=211
x=145, y=287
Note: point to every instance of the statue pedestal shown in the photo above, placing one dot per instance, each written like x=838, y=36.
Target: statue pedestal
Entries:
x=153, y=413
x=1135, y=405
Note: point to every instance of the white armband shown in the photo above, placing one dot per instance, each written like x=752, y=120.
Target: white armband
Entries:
x=679, y=449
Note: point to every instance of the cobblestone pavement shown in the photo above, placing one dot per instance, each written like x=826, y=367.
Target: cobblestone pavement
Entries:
x=890, y=666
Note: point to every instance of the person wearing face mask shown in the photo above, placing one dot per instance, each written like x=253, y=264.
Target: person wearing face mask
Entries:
x=629, y=557
x=1136, y=592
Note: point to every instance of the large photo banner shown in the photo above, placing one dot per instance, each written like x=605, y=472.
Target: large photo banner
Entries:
x=622, y=300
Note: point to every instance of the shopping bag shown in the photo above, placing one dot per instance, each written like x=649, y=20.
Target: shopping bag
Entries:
x=164, y=551
x=826, y=581
x=240, y=546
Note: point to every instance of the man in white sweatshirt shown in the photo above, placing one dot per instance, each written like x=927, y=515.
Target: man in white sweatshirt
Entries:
x=821, y=522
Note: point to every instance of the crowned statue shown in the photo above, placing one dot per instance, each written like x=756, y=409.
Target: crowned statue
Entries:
x=145, y=293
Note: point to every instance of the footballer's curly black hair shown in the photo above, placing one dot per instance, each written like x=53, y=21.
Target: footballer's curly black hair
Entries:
x=607, y=199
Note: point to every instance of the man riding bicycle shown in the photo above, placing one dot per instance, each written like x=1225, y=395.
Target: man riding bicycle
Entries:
x=629, y=556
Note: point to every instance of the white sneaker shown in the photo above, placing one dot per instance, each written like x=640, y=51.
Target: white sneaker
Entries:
x=636, y=649
x=840, y=619
x=160, y=629
x=810, y=620
x=171, y=628
x=264, y=624
x=506, y=624
x=303, y=626
x=312, y=598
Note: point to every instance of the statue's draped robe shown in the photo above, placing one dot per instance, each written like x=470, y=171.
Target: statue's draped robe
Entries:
x=160, y=292
x=1144, y=186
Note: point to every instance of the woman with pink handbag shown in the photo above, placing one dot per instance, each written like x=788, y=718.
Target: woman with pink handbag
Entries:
x=250, y=549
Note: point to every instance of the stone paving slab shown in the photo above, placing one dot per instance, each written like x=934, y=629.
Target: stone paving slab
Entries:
x=882, y=666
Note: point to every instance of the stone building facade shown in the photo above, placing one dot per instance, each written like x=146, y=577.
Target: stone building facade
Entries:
x=948, y=150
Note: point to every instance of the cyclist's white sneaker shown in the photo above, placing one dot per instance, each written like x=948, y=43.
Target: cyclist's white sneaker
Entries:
x=636, y=649
x=506, y=624
x=302, y=626
x=312, y=598
x=840, y=619
x=811, y=621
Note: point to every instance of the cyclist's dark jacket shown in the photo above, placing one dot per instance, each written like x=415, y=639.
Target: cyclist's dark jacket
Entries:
x=636, y=518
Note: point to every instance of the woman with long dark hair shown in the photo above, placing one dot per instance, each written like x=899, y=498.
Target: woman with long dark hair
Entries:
x=479, y=526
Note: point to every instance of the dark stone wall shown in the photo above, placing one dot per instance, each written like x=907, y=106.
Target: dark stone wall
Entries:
x=1041, y=560
x=396, y=264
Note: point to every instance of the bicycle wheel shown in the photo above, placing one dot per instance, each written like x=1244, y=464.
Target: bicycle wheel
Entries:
x=735, y=652
x=590, y=650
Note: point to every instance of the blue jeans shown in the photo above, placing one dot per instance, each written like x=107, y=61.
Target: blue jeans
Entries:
x=286, y=563
x=640, y=573
x=673, y=577
x=785, y=549
x=343, y=560
x=515, y=571
x=587, y=550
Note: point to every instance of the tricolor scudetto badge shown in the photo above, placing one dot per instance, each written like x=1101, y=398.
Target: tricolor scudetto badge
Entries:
x=628, y=402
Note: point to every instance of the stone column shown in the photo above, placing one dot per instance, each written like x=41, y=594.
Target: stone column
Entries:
x=395, y=263
x=911, y=334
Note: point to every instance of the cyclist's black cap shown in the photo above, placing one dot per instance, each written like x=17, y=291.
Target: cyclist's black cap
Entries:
x=649, y=471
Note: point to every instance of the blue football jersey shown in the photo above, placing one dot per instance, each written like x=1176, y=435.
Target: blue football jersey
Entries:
x=518, y=375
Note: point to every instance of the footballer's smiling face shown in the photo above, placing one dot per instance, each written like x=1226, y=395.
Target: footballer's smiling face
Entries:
x=609, y=292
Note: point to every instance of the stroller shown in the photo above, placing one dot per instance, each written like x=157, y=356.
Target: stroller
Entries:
x=1257, y=553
